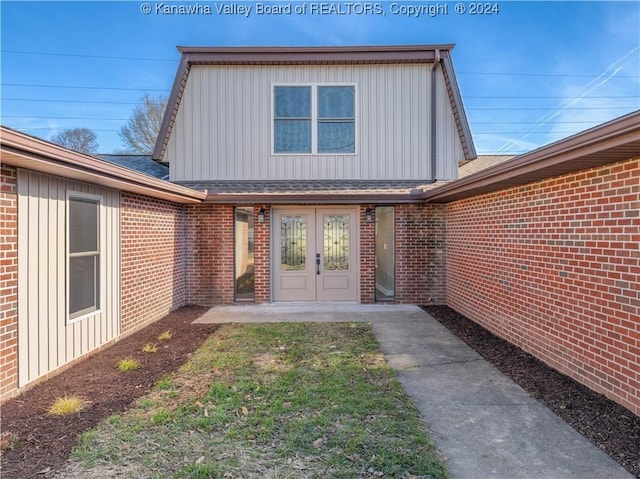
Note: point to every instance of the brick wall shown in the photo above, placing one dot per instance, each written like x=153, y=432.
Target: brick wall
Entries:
x=420, y=254
x=367, y=257
x=262, y=256
x=8, y=280
x=209, y=258
x=554, y=267
x=152, y=259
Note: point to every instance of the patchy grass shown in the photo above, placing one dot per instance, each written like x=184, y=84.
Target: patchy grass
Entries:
x=165, y=335
x=150, y=348
x=66, y=405
x=128, y=364
x=272, y=401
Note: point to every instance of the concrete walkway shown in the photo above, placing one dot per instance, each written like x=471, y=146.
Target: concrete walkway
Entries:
x=484, y=424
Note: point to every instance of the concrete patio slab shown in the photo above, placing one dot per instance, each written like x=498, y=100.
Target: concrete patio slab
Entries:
x=485, y=425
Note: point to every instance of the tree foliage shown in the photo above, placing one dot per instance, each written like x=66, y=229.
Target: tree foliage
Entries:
x=140, y=132
x=82, y=140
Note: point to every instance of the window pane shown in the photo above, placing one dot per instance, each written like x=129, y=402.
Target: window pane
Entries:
x=293, y=236
x=83, y=285
x=293, y=136
x=336, y=242
x=244, y=252
x=336, y=137
x=293, y=102
x=83, y=225
x=336, y=102
x=385, y=253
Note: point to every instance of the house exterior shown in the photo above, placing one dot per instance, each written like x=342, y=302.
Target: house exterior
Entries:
x=298, y=174
x=324, y=150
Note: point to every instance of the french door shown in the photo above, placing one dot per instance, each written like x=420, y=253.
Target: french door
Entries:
x=315, y=255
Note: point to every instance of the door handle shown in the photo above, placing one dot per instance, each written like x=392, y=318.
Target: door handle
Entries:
x=317, y=263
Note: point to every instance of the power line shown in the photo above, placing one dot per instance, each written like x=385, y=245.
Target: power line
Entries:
x=48, y=100
x=71, y=101
x=52, y=129
x=550, y=108
x=64, y=118
x=83, y=87
x=112, y=57
x=564, y=75
x=78, y=55
x=475, y=97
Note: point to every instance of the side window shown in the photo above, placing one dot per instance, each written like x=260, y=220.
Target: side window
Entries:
x=83, y=255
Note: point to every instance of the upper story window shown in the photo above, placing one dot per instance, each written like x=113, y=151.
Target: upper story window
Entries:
x=314, y=119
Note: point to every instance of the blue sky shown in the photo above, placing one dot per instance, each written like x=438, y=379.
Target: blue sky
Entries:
x=530, y=73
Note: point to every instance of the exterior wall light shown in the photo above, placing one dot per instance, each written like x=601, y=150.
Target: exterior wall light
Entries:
x=261, y=215
x=368, y=215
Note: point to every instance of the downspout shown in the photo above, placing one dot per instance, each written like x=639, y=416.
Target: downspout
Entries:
x=432, y=119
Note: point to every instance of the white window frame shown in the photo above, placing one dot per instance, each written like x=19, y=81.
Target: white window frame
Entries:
x=314, y=119
x=80, y=195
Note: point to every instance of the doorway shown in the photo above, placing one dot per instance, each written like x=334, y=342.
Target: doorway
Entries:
x=315, y=254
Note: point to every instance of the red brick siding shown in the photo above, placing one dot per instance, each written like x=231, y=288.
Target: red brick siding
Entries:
x=262, y=256
x=210, y=275
x=367, y=256
x=554, y=267
x=420, y=254
x=152, y=259
x=8, y=281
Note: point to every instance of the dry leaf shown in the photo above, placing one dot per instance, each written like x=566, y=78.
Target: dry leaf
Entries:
x=318, y=443
x=245, y=411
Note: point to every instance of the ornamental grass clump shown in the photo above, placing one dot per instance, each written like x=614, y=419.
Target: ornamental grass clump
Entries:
x=128, y=364
x=164, y=336
x=150, y=348
x=66, y=405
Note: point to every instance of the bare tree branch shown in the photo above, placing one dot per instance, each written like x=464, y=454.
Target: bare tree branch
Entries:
x=82, y=140
x=139, y=134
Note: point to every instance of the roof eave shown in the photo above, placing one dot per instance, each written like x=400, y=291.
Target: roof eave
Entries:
x=608, y=143
x=24, y=151
x=314, y=198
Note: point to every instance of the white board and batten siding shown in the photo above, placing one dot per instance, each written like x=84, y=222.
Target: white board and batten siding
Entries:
x=46, y=339
x=223, y=128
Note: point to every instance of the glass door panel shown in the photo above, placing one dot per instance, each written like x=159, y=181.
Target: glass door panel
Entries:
x=293, y=243
x=385, y=253
x=336, y=242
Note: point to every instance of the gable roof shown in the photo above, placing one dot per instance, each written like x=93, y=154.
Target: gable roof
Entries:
x=359, y=55
x=142, y=163
x=25, y=151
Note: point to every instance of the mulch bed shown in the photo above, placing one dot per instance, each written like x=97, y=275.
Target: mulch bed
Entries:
x=45, y=441
x=605, y=423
